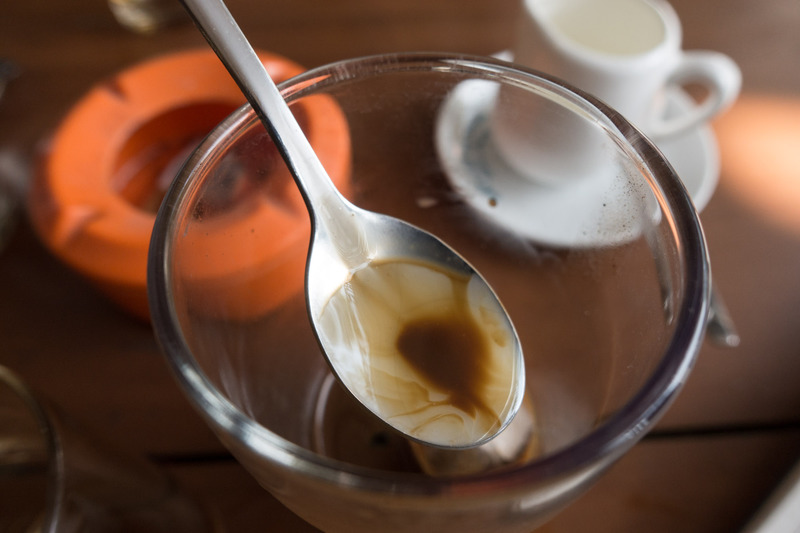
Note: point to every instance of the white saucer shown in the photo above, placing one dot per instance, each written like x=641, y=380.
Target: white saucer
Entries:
x=586, y=213
x=694, y=155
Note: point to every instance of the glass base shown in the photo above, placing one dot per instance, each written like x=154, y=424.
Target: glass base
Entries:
x=344, y=430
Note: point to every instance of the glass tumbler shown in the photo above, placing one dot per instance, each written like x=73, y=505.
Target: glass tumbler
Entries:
x=595, y=250
x=57, y=478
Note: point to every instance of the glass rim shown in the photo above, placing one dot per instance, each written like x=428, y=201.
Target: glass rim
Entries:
x=39, y=412
x=605, y=442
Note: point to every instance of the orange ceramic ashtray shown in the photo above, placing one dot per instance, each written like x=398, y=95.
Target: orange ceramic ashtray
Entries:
x=94, y=201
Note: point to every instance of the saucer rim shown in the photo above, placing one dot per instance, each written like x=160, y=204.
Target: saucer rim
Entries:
x=701, y=166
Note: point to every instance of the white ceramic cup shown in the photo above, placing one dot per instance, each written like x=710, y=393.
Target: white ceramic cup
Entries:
x=625, y=52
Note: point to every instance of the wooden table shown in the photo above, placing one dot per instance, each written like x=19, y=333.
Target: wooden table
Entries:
x=730, y=437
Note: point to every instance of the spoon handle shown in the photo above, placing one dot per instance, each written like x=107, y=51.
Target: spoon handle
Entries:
x=220, y=29
x=720, y=327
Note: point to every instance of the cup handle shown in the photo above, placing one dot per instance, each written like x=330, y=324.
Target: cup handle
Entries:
x=718, y=73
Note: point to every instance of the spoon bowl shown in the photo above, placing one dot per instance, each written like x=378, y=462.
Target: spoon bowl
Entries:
x=415, y=333
x=408, y=326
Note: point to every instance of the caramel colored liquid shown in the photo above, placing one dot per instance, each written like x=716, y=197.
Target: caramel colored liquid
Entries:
x=449, y=352
x=427, y=349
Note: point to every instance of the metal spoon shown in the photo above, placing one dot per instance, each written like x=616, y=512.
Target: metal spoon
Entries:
x=720, y=327
x=346, y=240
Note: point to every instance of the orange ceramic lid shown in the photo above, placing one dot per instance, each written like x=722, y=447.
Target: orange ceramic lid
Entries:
x=94, y=202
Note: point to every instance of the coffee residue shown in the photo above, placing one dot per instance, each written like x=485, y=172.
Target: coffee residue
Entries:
x=426, y=348
x=450, y=352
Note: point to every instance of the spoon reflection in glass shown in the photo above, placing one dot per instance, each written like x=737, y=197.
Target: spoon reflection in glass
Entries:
x=407, y=325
